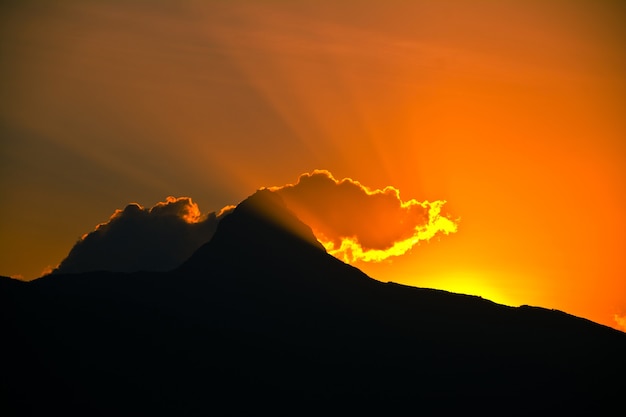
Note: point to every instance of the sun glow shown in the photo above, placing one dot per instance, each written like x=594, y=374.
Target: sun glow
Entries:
x=471, y=283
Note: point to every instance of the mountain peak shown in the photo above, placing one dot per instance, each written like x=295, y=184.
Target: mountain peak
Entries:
x=263, y=227
x=268, y=207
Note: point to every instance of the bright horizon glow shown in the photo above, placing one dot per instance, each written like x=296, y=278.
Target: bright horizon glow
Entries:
x=470, y=283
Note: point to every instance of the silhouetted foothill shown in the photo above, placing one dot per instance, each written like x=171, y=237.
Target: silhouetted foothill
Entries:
x=261, y=320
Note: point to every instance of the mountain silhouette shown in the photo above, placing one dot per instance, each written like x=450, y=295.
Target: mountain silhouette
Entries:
x=262, y=320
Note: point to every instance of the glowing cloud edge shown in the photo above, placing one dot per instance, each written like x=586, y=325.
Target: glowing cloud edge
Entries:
x=351, y=251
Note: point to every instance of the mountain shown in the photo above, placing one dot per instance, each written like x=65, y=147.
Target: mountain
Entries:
x=262, y=320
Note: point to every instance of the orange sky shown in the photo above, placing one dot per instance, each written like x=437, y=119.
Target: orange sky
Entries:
x=511, y=111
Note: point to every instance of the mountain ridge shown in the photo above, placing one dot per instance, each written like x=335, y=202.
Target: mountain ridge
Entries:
x=260, y=320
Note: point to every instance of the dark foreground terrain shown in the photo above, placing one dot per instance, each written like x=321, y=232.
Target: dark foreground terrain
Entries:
x=261, y=320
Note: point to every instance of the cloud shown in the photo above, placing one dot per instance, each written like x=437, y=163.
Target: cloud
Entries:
x=137, y=238
x=352, y=221
x=355, y=223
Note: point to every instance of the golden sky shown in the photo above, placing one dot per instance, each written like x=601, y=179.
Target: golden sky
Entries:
x=511, y=111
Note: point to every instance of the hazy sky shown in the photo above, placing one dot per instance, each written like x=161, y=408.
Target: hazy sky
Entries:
x=511, y=111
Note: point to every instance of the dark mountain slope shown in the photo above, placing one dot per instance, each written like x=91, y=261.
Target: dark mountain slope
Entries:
x=261, y=319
